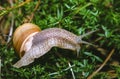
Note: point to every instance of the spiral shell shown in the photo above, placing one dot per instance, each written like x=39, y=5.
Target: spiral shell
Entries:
x=21, y=34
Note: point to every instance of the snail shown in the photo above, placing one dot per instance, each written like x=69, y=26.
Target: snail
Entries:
x=30, y=42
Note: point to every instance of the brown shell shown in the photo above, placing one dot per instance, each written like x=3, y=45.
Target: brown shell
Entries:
x=21, y=33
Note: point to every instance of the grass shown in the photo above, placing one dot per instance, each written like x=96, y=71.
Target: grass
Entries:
x=76, y=16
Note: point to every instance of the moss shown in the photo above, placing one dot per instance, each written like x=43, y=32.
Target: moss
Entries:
x=77, y=16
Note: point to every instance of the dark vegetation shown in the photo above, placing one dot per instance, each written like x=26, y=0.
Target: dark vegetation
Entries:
x=76, y=16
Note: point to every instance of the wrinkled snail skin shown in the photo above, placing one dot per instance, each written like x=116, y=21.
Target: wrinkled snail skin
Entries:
x=41, y=42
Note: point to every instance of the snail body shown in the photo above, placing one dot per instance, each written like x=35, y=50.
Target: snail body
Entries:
x=39, y=43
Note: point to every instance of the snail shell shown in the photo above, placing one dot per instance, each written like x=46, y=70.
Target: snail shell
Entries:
x=22, y=34
x=37, y=44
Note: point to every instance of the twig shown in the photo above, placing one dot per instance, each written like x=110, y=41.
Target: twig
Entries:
x=54, y=73
x=11, y=30
x=95, y=72
x=12, y=23
x=5, y=35
x=32, y=15
x=5, y=11
x=70, y=67
x=73, y=75
x=80, y=8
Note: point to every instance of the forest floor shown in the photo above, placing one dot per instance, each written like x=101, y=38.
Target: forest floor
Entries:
x=77, y=16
